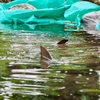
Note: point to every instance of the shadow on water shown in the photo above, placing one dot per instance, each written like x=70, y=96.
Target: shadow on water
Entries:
x=74, y=76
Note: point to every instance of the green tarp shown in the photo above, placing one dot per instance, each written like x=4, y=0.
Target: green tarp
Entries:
x=66, y=12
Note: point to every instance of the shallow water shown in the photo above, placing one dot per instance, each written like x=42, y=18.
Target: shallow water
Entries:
x=74, y=76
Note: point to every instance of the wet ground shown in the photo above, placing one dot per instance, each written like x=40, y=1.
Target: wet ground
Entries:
x=74, y=76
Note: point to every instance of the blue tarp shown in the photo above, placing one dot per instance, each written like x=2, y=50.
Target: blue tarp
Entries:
x=67, y=12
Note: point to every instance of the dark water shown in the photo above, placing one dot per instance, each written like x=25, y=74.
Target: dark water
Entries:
x=74, y=76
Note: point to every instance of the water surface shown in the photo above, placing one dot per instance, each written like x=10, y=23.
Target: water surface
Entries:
x=74, y=76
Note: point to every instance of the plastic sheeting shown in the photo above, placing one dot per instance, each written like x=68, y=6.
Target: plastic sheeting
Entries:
x=66, y=12
x=78, y=10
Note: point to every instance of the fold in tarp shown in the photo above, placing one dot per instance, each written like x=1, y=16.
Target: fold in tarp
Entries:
x=78, y=10
x=66, y=12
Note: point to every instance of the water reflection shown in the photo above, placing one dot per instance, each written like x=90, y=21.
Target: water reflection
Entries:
x=80, y=83
x=77, y=77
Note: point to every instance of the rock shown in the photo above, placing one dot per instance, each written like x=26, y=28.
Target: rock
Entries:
x=22, y=6
x=93, y=1
x=91, y=22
